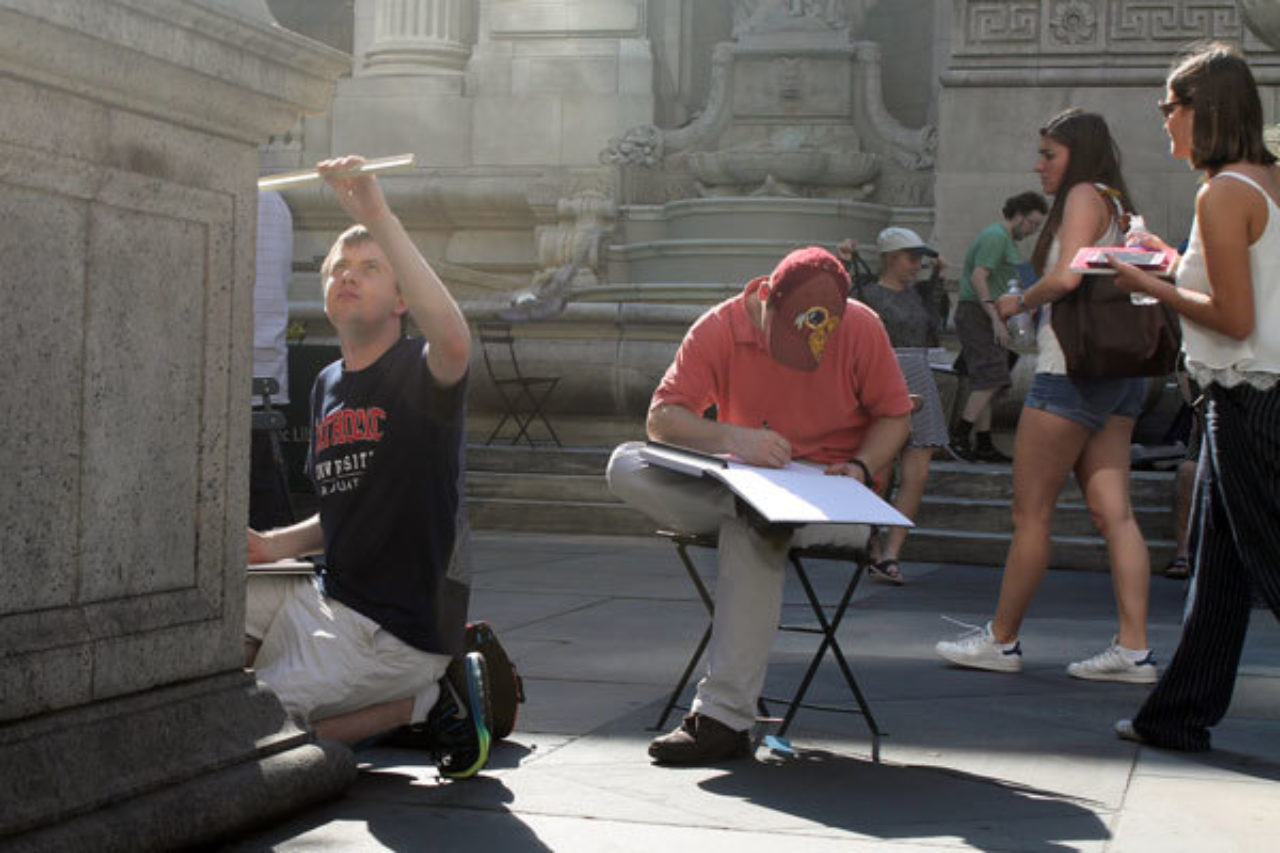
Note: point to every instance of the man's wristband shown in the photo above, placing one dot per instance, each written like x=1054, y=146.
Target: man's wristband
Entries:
x=866, y=472
x=1022, y=303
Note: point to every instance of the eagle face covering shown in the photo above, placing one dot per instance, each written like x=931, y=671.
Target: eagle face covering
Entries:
x=804, y=303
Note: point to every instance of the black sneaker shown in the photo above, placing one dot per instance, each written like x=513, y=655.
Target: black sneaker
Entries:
x=457, y=729
x=990, y=453
x=960, y=450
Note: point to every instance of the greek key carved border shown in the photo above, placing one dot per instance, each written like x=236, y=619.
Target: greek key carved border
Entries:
x=995, y=28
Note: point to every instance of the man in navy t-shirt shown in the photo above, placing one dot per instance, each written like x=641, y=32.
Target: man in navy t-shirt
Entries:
x=365, y=646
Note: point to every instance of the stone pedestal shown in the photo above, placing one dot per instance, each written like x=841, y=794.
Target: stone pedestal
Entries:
x=128, y=159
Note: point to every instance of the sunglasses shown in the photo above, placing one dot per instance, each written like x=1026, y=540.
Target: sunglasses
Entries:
x=1166, y=108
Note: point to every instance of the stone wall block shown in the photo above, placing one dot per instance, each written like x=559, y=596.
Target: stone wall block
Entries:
x=128, y=154
x=635, y=67
x=42, y=244
x=539, y=119
x=535, y=17
x=589, y=120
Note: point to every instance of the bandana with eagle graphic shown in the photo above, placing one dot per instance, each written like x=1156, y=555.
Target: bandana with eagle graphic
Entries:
x=804, y=300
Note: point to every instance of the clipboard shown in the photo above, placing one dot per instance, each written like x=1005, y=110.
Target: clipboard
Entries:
x=800, y=493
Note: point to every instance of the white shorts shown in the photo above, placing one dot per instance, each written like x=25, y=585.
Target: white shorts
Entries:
x=322, y=659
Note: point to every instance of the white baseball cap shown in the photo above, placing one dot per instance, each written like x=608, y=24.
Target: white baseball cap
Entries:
x=896, y=239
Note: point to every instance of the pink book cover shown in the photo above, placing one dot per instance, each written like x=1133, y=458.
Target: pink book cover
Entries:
x=1093, y=260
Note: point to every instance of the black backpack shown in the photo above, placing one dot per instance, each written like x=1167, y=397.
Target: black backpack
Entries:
x=506, y=688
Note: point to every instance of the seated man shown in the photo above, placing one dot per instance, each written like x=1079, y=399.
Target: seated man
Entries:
x=364, y=648
x=795, y=370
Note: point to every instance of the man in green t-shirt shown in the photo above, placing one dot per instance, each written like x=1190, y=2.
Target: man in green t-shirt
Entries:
x=989, y=265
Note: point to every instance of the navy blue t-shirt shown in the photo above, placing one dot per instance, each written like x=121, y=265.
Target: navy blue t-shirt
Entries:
x=387, y=461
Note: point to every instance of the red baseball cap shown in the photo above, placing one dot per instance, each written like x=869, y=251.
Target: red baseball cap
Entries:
x=804, y=300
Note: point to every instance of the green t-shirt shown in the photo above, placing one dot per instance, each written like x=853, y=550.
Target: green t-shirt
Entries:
x=993, y=249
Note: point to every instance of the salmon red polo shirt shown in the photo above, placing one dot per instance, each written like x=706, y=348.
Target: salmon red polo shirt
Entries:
x=724, y=361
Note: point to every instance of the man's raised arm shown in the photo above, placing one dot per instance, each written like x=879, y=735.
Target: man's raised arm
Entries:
x=434, y=311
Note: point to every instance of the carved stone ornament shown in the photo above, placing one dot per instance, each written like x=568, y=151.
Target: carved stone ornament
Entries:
x=639, y=146
x=776, y=16
x=1074, y=22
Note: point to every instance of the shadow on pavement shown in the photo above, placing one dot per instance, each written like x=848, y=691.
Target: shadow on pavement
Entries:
x=408, y=812
x=906, y=801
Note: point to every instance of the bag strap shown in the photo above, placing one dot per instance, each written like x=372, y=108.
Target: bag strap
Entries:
x=1113, y=195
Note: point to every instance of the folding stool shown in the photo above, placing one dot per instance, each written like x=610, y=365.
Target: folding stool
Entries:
x=828, y=624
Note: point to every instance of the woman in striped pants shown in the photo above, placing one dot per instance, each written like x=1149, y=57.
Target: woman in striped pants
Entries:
x=1228, y=292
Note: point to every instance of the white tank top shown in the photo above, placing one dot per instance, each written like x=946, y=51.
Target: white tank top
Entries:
x=1214, y=357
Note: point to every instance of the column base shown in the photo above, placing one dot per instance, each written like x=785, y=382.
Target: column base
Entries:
x=173, y=767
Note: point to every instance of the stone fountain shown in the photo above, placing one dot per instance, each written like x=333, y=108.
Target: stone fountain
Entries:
x=794, y=145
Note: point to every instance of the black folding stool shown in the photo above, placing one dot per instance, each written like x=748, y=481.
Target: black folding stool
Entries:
x=523, y=397
x=828, y=624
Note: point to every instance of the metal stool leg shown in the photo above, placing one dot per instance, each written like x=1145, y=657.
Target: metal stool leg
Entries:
x=827, y=630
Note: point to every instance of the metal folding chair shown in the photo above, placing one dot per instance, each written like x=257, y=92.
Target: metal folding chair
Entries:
x=270, y=421
x=828, y=622
x=523, y=397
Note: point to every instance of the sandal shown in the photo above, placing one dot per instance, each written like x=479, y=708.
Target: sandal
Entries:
x=886, y=571
x=1178, y=569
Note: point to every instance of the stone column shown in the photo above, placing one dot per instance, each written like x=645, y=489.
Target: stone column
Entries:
x=128, y=159
x=418, y=37
x=406, y=93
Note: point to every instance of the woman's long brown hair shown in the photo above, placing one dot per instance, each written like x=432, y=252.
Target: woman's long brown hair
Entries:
x=1092, y=157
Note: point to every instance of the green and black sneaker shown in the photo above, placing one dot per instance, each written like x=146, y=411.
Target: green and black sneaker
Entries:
x=458, y=725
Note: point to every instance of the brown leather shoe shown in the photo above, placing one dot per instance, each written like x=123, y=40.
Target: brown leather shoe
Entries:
x=700, y=740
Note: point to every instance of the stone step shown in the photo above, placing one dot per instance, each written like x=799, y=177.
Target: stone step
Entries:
x=522, y=459
x=532, y=516
x=571, y=488
x=950, y=545
x=1146, y=488
x=989, y=515
x=965, y=516
x=994, y=515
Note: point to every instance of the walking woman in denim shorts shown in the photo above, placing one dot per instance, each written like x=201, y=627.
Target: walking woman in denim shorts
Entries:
x=1069, y=424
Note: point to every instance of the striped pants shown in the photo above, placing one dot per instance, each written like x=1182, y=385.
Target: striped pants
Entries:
x=1235, y=547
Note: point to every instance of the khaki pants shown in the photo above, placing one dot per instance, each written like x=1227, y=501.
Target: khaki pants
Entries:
x=322, y=659
x=749, y=574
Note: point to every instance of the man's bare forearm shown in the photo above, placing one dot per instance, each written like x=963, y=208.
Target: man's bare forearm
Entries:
x=677, y=425
x=884, y=439
x=297, y=540
x=432, y=308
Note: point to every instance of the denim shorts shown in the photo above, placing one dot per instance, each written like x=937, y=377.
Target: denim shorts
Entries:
x=1088, y=402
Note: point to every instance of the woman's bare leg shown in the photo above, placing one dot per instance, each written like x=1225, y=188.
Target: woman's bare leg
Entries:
x=1103, y=473
x=1046, y=448
x=915, y=473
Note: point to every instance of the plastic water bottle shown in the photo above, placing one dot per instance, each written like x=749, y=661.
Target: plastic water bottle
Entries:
x=1022, y=336
x=1136, y=236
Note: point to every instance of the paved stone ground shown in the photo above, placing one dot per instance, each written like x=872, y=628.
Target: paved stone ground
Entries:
x=601, y=626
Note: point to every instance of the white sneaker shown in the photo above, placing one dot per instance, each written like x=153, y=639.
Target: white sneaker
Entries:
x=1114, y=665
x=978, y=649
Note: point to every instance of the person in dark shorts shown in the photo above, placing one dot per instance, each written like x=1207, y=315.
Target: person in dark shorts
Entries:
x=990, y=264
